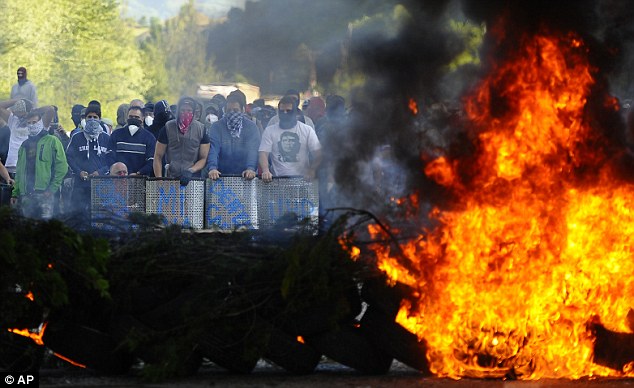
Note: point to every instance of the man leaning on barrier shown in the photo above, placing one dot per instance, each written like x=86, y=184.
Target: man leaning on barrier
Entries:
x=185, y=140
x=234, y=142
x=290, y=144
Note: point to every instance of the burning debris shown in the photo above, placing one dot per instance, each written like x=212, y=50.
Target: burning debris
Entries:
x=532, y=238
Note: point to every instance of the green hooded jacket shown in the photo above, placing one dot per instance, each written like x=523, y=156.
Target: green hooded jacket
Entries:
x=50, y=166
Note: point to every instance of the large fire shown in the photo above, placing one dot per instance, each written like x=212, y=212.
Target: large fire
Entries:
x=536, y=246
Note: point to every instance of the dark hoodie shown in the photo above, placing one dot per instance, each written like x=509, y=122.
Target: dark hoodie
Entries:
x=162, y=114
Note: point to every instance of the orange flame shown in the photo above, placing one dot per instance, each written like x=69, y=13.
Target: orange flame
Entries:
x=413, y=106
x=514, y=272
x=37, y=338
x=300, y=339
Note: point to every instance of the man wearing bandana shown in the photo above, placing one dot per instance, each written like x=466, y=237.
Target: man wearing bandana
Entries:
x=185, y=141
x=24, y=88
x=40, y=170
x=86, y=155
x=291, y=146
x=14, y=112
x=234, y=142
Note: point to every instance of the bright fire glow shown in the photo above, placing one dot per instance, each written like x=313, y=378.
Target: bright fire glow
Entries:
x=413, y=106
x=37, y=338
x=529, y=254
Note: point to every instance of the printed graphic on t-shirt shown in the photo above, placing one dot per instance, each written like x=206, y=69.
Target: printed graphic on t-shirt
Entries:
x=288, y=147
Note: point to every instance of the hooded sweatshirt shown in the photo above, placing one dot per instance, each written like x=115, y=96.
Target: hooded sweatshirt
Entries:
x=88, y=155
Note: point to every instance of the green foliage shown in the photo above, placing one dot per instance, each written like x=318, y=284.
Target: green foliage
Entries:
x=74, y=52
x=49, y=260
x=472, y=36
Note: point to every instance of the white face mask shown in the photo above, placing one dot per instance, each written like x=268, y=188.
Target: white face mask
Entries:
x=133, y=129
x=36, y=128
x=149, y=120
x=83, y=123
x=211, y=118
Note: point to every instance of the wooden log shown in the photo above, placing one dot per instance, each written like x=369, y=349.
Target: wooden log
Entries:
x=348, y=346
x=19, y=354
x=377, y=293
x=87, y=346
x=611, y=349
x=186, y=363
x=395, y=340
x=286, y=351
x=236, y=343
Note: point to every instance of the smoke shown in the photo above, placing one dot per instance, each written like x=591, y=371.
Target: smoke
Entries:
x=412, y=65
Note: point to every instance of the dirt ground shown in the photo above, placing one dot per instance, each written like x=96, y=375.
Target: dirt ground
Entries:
x=327, y=374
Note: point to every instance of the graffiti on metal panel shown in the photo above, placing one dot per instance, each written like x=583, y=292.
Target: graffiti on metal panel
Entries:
x=172, y=205
x=301, y=207
x=225, y=208
x=116, y=199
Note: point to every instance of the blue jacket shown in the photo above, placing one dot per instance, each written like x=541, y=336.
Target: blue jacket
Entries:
x=231, y=155
x=83, y=155
x=137, y=152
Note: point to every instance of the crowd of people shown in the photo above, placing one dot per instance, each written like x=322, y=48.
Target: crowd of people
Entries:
x=50, y=169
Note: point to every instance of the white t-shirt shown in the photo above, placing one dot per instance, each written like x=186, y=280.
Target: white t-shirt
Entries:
x=18, y=136
x=289, y=148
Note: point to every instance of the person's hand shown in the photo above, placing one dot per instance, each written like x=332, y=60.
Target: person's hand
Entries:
x=96, y=173
x=10, y=182
x=267, y=176
x=248, y=174
x=83, y=175
x=213, y=174
x=14, y=201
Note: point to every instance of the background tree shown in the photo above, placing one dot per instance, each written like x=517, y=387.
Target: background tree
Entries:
x=174, y=55
x=74, y=51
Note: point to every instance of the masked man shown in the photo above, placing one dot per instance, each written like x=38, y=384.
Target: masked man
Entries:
x=86, y=155
x=24, y=88
x=292, y=146
x=133, y=145
x=185, y=141
x=40, y=171
x=14, y=112
x=234, y=142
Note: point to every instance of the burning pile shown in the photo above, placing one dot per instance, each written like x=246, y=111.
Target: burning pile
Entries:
x=537, y=244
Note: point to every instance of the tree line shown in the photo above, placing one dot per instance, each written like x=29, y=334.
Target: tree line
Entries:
x=80, y=50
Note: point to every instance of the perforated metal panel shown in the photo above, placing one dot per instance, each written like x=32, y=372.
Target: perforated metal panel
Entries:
x=230, y=203
x=181, y=205
x=113, y=198
x=284, y=197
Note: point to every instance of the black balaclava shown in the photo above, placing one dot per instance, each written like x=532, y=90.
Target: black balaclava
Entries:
x=22, y=80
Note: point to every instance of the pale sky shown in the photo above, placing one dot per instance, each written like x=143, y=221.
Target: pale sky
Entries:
x=164, y=9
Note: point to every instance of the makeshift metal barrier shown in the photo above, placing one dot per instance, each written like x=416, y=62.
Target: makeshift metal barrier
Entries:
x=113, y=198
x=287, y=196
x=228, y=203
x=181, y=205
x=231, y=202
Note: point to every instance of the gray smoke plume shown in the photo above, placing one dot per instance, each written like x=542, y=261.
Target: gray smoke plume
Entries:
x=412, y=66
